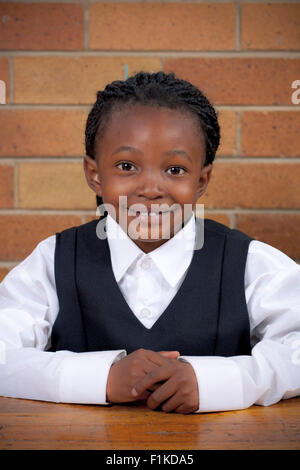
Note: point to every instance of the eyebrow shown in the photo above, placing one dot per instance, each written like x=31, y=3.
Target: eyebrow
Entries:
x=126, y=147
x=179, y=152
x=169, y=152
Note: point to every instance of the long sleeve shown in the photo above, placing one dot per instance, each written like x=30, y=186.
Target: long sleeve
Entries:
x=28, y=309
x=272, y=372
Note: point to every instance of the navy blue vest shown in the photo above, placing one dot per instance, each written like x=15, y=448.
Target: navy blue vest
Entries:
x=208, y=315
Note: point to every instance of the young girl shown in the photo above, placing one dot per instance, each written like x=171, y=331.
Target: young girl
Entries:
x=142, y=313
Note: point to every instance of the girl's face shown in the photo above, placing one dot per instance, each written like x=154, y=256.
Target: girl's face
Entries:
x=154, y=157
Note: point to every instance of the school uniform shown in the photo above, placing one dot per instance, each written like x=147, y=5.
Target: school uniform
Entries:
x=231, y=308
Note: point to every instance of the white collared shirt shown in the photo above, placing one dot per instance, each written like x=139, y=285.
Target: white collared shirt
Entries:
x=149, y=282
x=29, y=307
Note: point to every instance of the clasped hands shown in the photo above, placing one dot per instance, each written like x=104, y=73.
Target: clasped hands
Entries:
x=156, y=378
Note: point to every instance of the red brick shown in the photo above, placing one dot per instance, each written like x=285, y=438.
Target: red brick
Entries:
x=3, y=273
x=6, y=186
x=262, y=185
x=228, y=128
x=42, y=132
x=268, y=134
x=4, y=76
x=51, y=81
x=162, y=26
x=54, y=186
x=90, y=217
x=221, y=218
x=240, y=81
x=279, y=230
x=270, y=26
x=47, y=26
x=21, y=233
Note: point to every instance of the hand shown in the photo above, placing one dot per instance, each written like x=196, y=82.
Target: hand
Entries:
x=178, y=393
x=124, y=374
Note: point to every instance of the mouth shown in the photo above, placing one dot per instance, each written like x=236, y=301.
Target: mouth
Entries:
x=148, y=215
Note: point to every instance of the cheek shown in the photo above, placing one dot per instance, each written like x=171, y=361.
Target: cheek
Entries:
x=113, y=188
x=185, y=193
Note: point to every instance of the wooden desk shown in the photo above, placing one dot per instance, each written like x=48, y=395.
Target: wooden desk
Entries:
x=26, y=424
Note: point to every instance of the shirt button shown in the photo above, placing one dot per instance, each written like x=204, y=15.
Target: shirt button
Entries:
x=145, y=313
x=145, y=264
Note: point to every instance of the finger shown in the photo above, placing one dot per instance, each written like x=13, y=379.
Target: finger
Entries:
x=154, y=387
x=163, y=393
x=170, y=354
x=172, y=404
x=143, y=397
x=158, y=374
x=184, y=409
x=146, y=360
x=156, y=358
x=148, y=366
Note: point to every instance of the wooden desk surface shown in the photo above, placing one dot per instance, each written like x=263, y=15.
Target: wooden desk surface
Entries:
x=26, y=424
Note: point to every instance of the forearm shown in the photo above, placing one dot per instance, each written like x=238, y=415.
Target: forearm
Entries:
x=61, y=376
x=263, y=378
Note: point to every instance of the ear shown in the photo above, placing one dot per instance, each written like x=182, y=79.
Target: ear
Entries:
x=204, y=179
x=92, y=174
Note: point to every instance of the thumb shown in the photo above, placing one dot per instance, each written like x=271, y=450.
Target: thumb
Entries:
x=169, y=354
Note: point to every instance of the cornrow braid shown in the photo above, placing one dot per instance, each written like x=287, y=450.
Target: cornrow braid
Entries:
x=153, y=89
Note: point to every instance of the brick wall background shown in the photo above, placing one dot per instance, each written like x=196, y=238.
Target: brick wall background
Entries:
x=54, y=57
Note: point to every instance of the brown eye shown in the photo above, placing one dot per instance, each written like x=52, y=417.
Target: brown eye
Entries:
x=177, y=169
x=126, y=166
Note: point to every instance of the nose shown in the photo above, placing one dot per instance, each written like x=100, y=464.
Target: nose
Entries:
x=150, y=185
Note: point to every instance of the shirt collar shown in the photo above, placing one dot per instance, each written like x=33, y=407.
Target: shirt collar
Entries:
x=172, y=258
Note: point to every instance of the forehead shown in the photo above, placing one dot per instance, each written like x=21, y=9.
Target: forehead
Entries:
x=152, y=125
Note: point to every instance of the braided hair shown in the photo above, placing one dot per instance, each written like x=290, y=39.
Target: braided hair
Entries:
x=153, y=89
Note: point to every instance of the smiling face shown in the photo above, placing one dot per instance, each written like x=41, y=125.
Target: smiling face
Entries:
x=154, y=156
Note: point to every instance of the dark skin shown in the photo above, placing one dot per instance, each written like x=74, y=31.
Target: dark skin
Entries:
x=163, y=163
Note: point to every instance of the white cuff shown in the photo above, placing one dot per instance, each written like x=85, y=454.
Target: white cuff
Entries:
x=219, y=383
x=83, y=376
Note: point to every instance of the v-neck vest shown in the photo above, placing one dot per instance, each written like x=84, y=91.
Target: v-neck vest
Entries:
x=207, y=316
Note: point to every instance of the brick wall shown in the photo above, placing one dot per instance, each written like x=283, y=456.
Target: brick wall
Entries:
x=55, y=56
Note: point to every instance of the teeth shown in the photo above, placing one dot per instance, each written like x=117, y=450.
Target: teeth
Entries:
x=145, y=214
x=148, y=214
